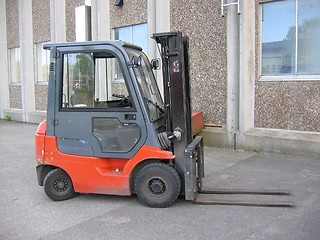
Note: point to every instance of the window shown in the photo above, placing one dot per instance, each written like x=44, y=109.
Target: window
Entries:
x=135, y=34
x=42, y=63
x=290, y=38
x=148, y=86
x=14, y=65
x=87, y=83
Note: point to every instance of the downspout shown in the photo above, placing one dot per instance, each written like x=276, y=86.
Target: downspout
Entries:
x=233, y=74
x=152, y=48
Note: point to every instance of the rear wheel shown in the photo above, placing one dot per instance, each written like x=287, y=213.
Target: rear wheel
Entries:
x=58, y=185
x=157, y=185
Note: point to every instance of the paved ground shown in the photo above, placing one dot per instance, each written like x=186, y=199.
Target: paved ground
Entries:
x=27, y=213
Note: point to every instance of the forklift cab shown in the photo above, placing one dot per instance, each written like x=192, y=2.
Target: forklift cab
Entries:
x=104, y=101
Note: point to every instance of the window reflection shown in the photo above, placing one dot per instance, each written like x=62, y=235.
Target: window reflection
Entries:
x=282, y=53
x=136, y=34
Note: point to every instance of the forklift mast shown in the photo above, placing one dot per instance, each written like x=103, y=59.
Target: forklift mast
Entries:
x=177, y=102
x=174, y=50
x=176, y=82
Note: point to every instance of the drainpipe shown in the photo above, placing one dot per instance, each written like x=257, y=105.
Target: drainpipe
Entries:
x=233, y=75
x=152, y=48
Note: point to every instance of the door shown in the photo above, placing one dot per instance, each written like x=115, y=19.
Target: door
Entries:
x=97, y=113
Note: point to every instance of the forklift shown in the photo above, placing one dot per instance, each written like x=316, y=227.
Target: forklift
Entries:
x=108, y=130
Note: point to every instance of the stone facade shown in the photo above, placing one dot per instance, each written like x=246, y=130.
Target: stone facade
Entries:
x=13, y=41
x=41, y=97
x=41, y=20
x=206, y=30
x=132, y=12
x=12, y=12
x=15, y=97
x=70, y=18
x=288, y=105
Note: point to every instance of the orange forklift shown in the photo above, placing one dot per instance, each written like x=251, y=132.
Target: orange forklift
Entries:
x=108, y=130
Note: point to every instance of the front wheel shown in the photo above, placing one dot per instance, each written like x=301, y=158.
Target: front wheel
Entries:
x=58, y=185
x=157, y=185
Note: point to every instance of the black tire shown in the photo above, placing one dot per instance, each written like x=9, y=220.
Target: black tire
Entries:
x=58, y=185
x=157, y=185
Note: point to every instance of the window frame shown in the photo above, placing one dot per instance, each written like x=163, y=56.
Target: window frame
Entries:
x=279, y=78
x=36, y=47
x=17, y=51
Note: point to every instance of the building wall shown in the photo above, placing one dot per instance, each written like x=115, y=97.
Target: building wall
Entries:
x=12, y=10
x=206, y=29
x=283, y=105
x=41, y=20
x=289, y=105
x=132, y=12
x=13, y=41
x=70, y=18
x=15, y=97
x=41, y=33
x=41, y=97
x=207, y=32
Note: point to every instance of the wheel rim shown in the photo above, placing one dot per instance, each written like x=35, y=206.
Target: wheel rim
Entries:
x=157, y=187
x=60, y=185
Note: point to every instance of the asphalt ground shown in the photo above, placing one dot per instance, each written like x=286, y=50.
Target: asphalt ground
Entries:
x=27, y=213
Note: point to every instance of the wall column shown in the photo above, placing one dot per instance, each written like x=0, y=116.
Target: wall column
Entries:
x=158, y=21
x=247, y=66
x=26, y=59
x=100, y=20
x=58, y=20
x=4, y=81
x=163, y=16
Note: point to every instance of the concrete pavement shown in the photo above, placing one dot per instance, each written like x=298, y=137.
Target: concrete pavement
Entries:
x=27, y=213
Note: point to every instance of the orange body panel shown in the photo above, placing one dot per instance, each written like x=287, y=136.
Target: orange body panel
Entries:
x=92, y=174
x=39, y=142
